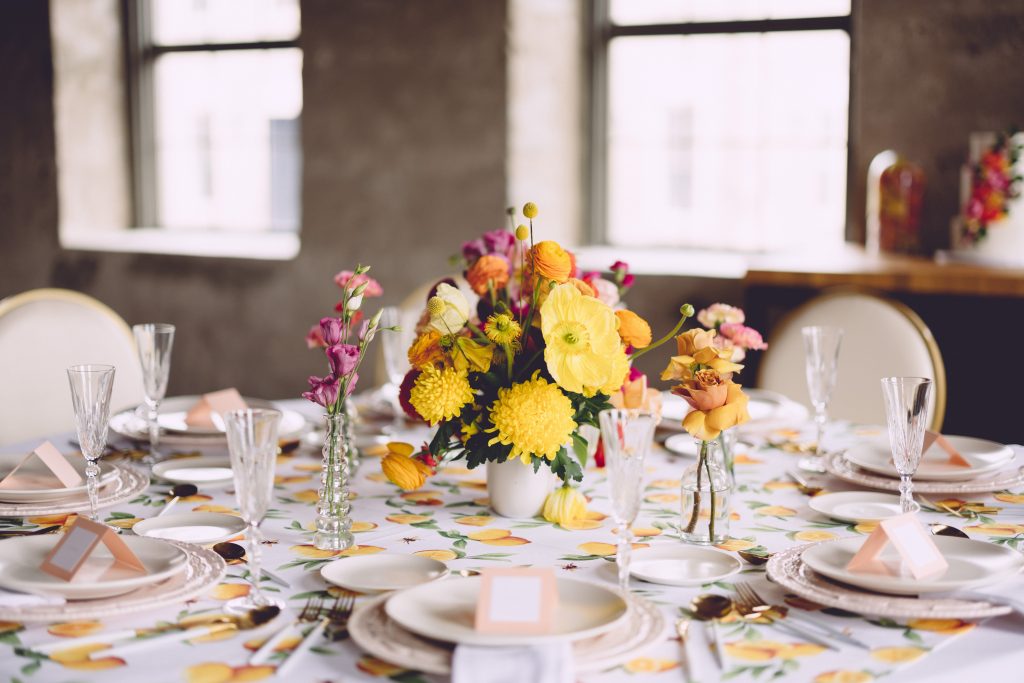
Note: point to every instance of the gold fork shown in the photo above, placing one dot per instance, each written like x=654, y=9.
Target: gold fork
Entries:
x=337, y=617
x=310, y=613
x=751, y=608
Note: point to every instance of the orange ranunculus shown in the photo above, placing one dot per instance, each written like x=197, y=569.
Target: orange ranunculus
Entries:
x=696, y=346
x=585, y=289
x=551, y=262
x=426, y=350
x=489, y=268
x=712, y=412
x=633, y=330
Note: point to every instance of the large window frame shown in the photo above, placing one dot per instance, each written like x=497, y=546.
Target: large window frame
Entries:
x=603, y=31
x=141, y=53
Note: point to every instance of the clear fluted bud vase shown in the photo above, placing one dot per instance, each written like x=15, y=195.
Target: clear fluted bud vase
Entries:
x=706, y=489
x=333, y=524
x=351, y=451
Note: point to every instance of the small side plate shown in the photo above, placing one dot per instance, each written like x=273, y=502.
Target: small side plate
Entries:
x=380, y=573
x=201, y=528
x=856, y=506
x=682, y=565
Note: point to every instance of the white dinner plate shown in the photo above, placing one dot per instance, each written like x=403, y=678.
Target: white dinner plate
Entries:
x=971, y=564
x=98, y=577
x=205, y=471
x=764, y=406
x=192, y=527
x=385, y=572
x=683, y=444
x=447, y=612
x=131, y=423
x=8, y=461
x=856, y=506
x=682, y=565
x=985, y=457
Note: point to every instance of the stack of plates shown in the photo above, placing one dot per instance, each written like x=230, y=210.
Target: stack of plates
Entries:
x=118, y=483
x=174, y=432
x=993, y=467
x=8, y=461
x=419, y=627
x=818, y=572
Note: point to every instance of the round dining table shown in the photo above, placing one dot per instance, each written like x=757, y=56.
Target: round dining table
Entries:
x=449, y=519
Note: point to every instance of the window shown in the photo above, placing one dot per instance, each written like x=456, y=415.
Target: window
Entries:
x=216, y=92
x=721, y=124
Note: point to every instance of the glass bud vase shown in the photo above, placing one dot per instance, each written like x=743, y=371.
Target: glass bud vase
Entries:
x=333, y=525
x=352, y=452
x=706, y=489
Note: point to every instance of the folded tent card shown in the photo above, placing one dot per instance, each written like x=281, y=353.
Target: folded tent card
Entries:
x=206, y=414
x=78, y=543
x=913, y=544
x=955, y=458
x=516, y=601
x=44, y=468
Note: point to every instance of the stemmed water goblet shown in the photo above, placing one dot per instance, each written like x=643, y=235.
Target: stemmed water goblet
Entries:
x=252, y=446
x=906, y=413
x=627, y=436
x=153, y=342
x=90, y=395
x=821, y=354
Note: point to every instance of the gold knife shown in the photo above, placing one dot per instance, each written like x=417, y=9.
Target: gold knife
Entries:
x=682, y=628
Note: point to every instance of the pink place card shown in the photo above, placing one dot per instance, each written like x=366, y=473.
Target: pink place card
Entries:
x=911, y=540
x=955, y=458
x=78, y=543
x=58, y=471
x=516, y=601
x=214, y=404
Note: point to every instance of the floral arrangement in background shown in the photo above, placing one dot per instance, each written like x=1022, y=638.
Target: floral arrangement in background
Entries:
x=344, y=339
x=544, y=351
x=993, y=185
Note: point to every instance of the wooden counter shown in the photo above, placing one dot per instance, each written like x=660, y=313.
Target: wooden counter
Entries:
x=852, y=267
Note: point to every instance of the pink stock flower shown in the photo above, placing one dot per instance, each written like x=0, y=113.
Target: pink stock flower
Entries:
x=343, y=358
x=315, y=338
x=330, y=331
x=322, y=391
x=346, y=279
x=743, y=336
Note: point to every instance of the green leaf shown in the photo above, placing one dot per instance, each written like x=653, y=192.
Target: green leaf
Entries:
x=579, y=444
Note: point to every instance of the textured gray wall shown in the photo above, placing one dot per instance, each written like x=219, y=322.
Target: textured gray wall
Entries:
x=404, y=144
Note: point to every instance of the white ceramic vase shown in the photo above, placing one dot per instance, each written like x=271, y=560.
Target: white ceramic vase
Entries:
x=516, y=491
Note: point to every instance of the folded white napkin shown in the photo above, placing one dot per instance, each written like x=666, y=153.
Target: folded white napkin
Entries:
x=10, y=598
x=551, y=663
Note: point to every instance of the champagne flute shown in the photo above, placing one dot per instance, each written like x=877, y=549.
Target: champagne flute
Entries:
x=627, y=436
x=396, y=363
x=821, y=349
x=906, y=413
x=90, y=395
x=252, y=446
x=153, y=341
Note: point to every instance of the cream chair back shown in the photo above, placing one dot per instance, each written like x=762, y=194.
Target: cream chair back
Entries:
x=881, y=338
x=42, y=333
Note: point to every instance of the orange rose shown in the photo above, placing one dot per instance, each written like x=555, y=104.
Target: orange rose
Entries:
x=696, y=348
x=585, y=289
x=718, y=404
x=426, y=350
x=551, y=262
x=489, y=268
x=633, y=330
x=705, y=391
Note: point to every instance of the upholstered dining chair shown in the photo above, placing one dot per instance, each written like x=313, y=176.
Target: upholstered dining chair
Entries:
x=42, y=332
x=881, y=338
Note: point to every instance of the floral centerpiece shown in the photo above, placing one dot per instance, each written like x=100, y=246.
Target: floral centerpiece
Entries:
x=993, y=185
x=344, y=340
x=518, y=377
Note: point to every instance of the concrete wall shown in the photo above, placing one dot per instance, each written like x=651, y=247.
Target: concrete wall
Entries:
x=404, y=145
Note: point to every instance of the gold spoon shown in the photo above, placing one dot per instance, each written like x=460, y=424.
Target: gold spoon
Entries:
x=711, y=607
x=946, y=530
x=754, y=558
x=802, y=485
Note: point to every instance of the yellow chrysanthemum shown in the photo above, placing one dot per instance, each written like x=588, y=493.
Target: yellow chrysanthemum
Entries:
x=502, y=328
x=440, y=394
x=534, y=417
x=582, y=347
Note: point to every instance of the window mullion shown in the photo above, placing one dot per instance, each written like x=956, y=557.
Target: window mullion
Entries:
x=141, y=111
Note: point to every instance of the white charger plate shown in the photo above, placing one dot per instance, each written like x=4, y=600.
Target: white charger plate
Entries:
x=201, y=528
x=384, y=572
x=8, y=461
x=448, y=612
x=682, y=565
x=176, y=433
x=985, y=457
x=971, y=564
x=205, y=471
x=856, y=506
x=97, y=578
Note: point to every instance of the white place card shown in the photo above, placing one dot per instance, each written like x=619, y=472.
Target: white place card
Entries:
x=78, y=543
x=912, y=542
x=57, y=471
x=207, y=412
x=516, y=601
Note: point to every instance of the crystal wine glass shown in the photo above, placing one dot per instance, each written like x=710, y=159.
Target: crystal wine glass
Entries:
x=821, y=349
x=906, y=412
x=396, y=363
x=90, y=394
x=627, y=436
x=252, y=445
x=153, y=342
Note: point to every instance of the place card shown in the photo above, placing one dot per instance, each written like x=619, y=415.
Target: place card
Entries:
x=955, y=458
x=78, y=543
x=911, y=540
x=58, y=470
x=516, y=601
x=207, y=412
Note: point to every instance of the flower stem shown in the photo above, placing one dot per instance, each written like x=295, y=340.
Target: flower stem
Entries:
x=695, y=512
x=686, y=312
x=711, y=485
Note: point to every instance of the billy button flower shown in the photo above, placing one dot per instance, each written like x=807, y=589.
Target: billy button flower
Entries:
x=522, y=232
x=530, y=210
